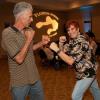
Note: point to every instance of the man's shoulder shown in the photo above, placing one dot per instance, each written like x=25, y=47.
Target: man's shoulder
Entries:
x=7, y=31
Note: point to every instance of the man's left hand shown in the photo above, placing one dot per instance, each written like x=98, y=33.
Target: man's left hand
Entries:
x=45, y=39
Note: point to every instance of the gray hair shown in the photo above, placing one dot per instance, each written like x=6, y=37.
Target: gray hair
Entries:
x=20, y=7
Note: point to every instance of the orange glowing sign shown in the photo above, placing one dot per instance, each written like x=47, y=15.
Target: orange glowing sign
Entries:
x=50, y=19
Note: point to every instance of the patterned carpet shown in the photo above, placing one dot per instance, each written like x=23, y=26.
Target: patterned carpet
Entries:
x=57, y=84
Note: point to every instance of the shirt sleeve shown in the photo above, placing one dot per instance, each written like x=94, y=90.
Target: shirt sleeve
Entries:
x=79, y=50
x=10, y=44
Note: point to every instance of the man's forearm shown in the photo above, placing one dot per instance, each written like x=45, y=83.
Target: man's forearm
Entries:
x=37, y=45
x=19, y=58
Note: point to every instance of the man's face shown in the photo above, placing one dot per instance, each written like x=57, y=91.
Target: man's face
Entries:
x=27, y=18
x=73, y=32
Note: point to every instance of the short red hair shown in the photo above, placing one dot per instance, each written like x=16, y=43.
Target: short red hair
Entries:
x=72, y=22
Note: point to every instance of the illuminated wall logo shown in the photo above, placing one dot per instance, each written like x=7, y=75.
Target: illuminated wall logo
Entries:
x=49, y=19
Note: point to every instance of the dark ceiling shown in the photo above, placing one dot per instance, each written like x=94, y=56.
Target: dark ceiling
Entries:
x=59, y=5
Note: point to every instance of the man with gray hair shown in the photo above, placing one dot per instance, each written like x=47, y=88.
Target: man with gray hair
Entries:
x=17, y=41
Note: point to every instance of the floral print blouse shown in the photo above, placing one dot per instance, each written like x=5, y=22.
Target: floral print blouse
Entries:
x=85, y=63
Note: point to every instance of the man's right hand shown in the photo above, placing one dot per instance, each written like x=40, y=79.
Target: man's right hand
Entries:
x=29, y=33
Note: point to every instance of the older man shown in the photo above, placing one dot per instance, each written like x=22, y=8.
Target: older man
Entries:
x=17, y=41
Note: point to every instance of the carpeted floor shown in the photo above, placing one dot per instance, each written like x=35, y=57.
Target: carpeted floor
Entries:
x=57, y=84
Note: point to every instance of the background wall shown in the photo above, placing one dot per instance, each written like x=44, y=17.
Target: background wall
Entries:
x=96, y=21
x=75, y=14
x=5, y=16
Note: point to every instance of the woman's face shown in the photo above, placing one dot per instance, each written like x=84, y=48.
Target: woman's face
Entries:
x=73, y=32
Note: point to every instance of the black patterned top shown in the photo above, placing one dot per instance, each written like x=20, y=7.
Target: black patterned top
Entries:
x=85, y=63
